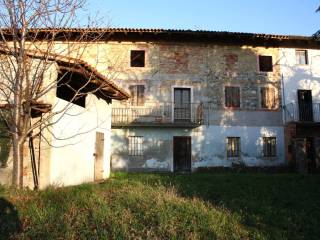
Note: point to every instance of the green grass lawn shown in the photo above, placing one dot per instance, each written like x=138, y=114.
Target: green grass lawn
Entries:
x=168, y=206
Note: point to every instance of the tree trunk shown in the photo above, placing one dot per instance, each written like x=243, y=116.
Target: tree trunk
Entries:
x=17, y=170
x=16, y=160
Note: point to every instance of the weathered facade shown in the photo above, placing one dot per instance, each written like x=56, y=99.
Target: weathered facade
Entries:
x=204, y=70
x=301, y=89
x=198, y=99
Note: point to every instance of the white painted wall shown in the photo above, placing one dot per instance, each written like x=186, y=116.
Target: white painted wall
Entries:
x=300, y=76
x=72, y=159
x=209, y=146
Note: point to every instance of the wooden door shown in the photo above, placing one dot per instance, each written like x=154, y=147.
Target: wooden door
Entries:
x=182, y=104
x=99, y=157
x=182, y=154
x=305, y=105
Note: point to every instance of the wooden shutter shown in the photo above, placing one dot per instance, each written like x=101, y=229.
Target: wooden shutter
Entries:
x=133, y=95
x=232, y=96
x=269, y=147
x=140, y=95
x=227, y=97
x=236, y=96
x=137, y=95
x=268, y=97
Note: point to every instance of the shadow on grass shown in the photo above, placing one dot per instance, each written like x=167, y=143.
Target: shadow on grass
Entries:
x=10, y=223
x=280, y=206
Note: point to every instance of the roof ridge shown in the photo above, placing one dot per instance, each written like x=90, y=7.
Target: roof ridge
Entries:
x=164, y=30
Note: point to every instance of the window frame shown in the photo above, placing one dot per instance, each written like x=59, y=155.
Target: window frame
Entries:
x=134, y=100
x=132, y=59
x=135, y=146
x=306, y=57
x=259, y=61
x=225, y=97
x=238, y=144
x=276, y=98
x=266, y=144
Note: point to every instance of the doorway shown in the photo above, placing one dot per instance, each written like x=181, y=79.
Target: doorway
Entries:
x=305, y=105
x=182, y=105
x=99, y=157
x=182, y=154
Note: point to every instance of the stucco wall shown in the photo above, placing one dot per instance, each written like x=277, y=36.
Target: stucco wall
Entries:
x=208, y=147
x=300, y=76
x=72, y=157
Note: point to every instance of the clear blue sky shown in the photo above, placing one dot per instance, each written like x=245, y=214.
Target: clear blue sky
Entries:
x=261, y=16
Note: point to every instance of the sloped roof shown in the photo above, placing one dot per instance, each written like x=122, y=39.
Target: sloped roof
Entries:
x=111, y=89
x=172, y=35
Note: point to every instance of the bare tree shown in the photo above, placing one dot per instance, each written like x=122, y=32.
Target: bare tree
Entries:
x=28, y=35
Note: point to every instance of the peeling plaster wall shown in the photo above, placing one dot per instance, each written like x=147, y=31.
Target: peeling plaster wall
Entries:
x=157, y=148
x=206, y=69
x=300, y=76
x=208, y=147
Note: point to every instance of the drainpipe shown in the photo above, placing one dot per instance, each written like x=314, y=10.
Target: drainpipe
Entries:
x=283, y=101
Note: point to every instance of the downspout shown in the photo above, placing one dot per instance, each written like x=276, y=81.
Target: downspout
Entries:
x=284, y=120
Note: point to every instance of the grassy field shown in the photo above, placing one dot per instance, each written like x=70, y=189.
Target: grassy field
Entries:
x=168, y=206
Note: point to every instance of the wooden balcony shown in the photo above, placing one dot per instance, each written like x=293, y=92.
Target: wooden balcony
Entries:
x=188, y=115
x=302, y=113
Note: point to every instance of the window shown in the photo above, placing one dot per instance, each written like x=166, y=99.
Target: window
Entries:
x=265, y=63
x=135, y=146
x=137, y=58
x=233, y=147
x=269, y=146
x=137, y=95
x=232, y=96
x=302, y=57
x=268, y=97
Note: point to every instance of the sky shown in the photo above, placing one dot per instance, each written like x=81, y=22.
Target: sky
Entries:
x=293, y=17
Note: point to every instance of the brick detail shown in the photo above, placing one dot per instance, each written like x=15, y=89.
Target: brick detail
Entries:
x=231, y=61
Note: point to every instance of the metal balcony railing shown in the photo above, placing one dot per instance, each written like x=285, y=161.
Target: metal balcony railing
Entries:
x=302, y=112
x=155, y=114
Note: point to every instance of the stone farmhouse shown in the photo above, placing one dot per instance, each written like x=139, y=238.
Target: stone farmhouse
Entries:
x=204, y=99
x=200, y=99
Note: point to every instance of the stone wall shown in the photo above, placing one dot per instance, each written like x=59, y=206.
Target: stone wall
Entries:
x=206, y=68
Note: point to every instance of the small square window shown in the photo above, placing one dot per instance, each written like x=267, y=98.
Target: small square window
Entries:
x=269, y=147
x=265, y=63
x=135, y=146
x=232, y=96
x=302, y=57
x=137, y=58
x=233, y=147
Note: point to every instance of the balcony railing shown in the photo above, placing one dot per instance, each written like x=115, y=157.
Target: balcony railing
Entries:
x=164, y=114
x=302, y=112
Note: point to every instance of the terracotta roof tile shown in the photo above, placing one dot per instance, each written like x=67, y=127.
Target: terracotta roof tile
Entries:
x=123, y=94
